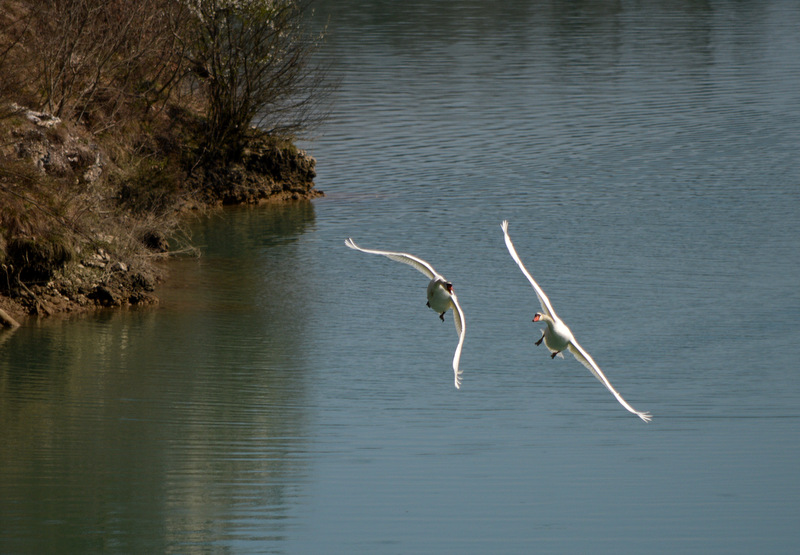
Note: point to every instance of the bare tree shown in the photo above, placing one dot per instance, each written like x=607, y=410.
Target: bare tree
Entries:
x=90, y=62
x=14, y=23
x=254, y=58
x=94, y=58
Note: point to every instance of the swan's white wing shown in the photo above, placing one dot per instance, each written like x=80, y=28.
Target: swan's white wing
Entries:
x=405, y=258
x=461, y=329
x=547, y=308
x=585, y=359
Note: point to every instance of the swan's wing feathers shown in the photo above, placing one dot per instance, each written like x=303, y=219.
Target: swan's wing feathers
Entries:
x=461, y=329
x=458, y=315
x=586, y=359
x=582, y=356
x=427, y=269
x=403, y=257
x=547, y=308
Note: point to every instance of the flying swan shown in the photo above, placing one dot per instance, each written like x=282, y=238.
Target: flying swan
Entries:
x=557, y=336
x=441, y=296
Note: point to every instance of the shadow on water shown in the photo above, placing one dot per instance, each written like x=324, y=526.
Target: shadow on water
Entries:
x=170, y=428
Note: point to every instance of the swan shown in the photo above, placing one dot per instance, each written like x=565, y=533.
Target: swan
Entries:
x=441, y=296
x=557, y=336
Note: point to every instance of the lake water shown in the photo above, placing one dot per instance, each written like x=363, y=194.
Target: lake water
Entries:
x=290, y=395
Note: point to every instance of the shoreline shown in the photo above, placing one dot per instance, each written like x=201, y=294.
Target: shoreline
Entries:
x=117, y=121
x=99, y=283
x=110, y=259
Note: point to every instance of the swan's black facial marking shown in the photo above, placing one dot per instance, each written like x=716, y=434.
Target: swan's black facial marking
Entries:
x=449, y=287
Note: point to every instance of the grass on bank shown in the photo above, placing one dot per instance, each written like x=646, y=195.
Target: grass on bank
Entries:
x=112, y=123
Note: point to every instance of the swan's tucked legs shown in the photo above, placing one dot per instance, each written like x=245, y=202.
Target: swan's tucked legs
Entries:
x=441, y=316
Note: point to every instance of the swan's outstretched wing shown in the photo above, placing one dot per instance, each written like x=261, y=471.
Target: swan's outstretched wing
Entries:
x=461, y=329
x=405, y=258
x=547, y=308
x=585, y=359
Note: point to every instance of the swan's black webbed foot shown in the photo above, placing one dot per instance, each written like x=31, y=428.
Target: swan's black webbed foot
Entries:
x=540, y=341
x=553, y=355
x=441, y=316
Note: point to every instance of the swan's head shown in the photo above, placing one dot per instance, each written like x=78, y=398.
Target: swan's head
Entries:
x=538, y=317
x=449, y=287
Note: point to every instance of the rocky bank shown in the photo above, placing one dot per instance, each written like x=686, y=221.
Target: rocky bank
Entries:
x=99, y=254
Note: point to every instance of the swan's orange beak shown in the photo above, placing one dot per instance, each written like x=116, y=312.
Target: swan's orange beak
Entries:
x=537, y=318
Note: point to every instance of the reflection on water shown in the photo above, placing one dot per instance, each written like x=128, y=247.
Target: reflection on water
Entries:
x=163, y=429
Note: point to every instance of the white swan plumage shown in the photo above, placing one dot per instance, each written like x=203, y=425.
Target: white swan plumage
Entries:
x=558, y=337
x=441, y=296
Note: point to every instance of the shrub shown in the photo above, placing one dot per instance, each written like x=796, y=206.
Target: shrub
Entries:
x=254, y=60
x=35, y=259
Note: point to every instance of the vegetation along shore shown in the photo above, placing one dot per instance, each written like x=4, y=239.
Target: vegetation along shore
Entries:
x=119, y=118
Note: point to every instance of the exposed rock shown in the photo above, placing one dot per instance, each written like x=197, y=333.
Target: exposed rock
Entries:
x=6, y=320
x=103, y=296
x=54, y=150
x=60, y=269
x=269, y=171
x=42, y=119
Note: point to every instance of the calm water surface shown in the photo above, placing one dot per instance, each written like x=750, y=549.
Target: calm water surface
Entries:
x=290, y=395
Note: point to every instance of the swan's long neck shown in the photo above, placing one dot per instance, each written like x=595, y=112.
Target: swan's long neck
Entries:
x=547, y=320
